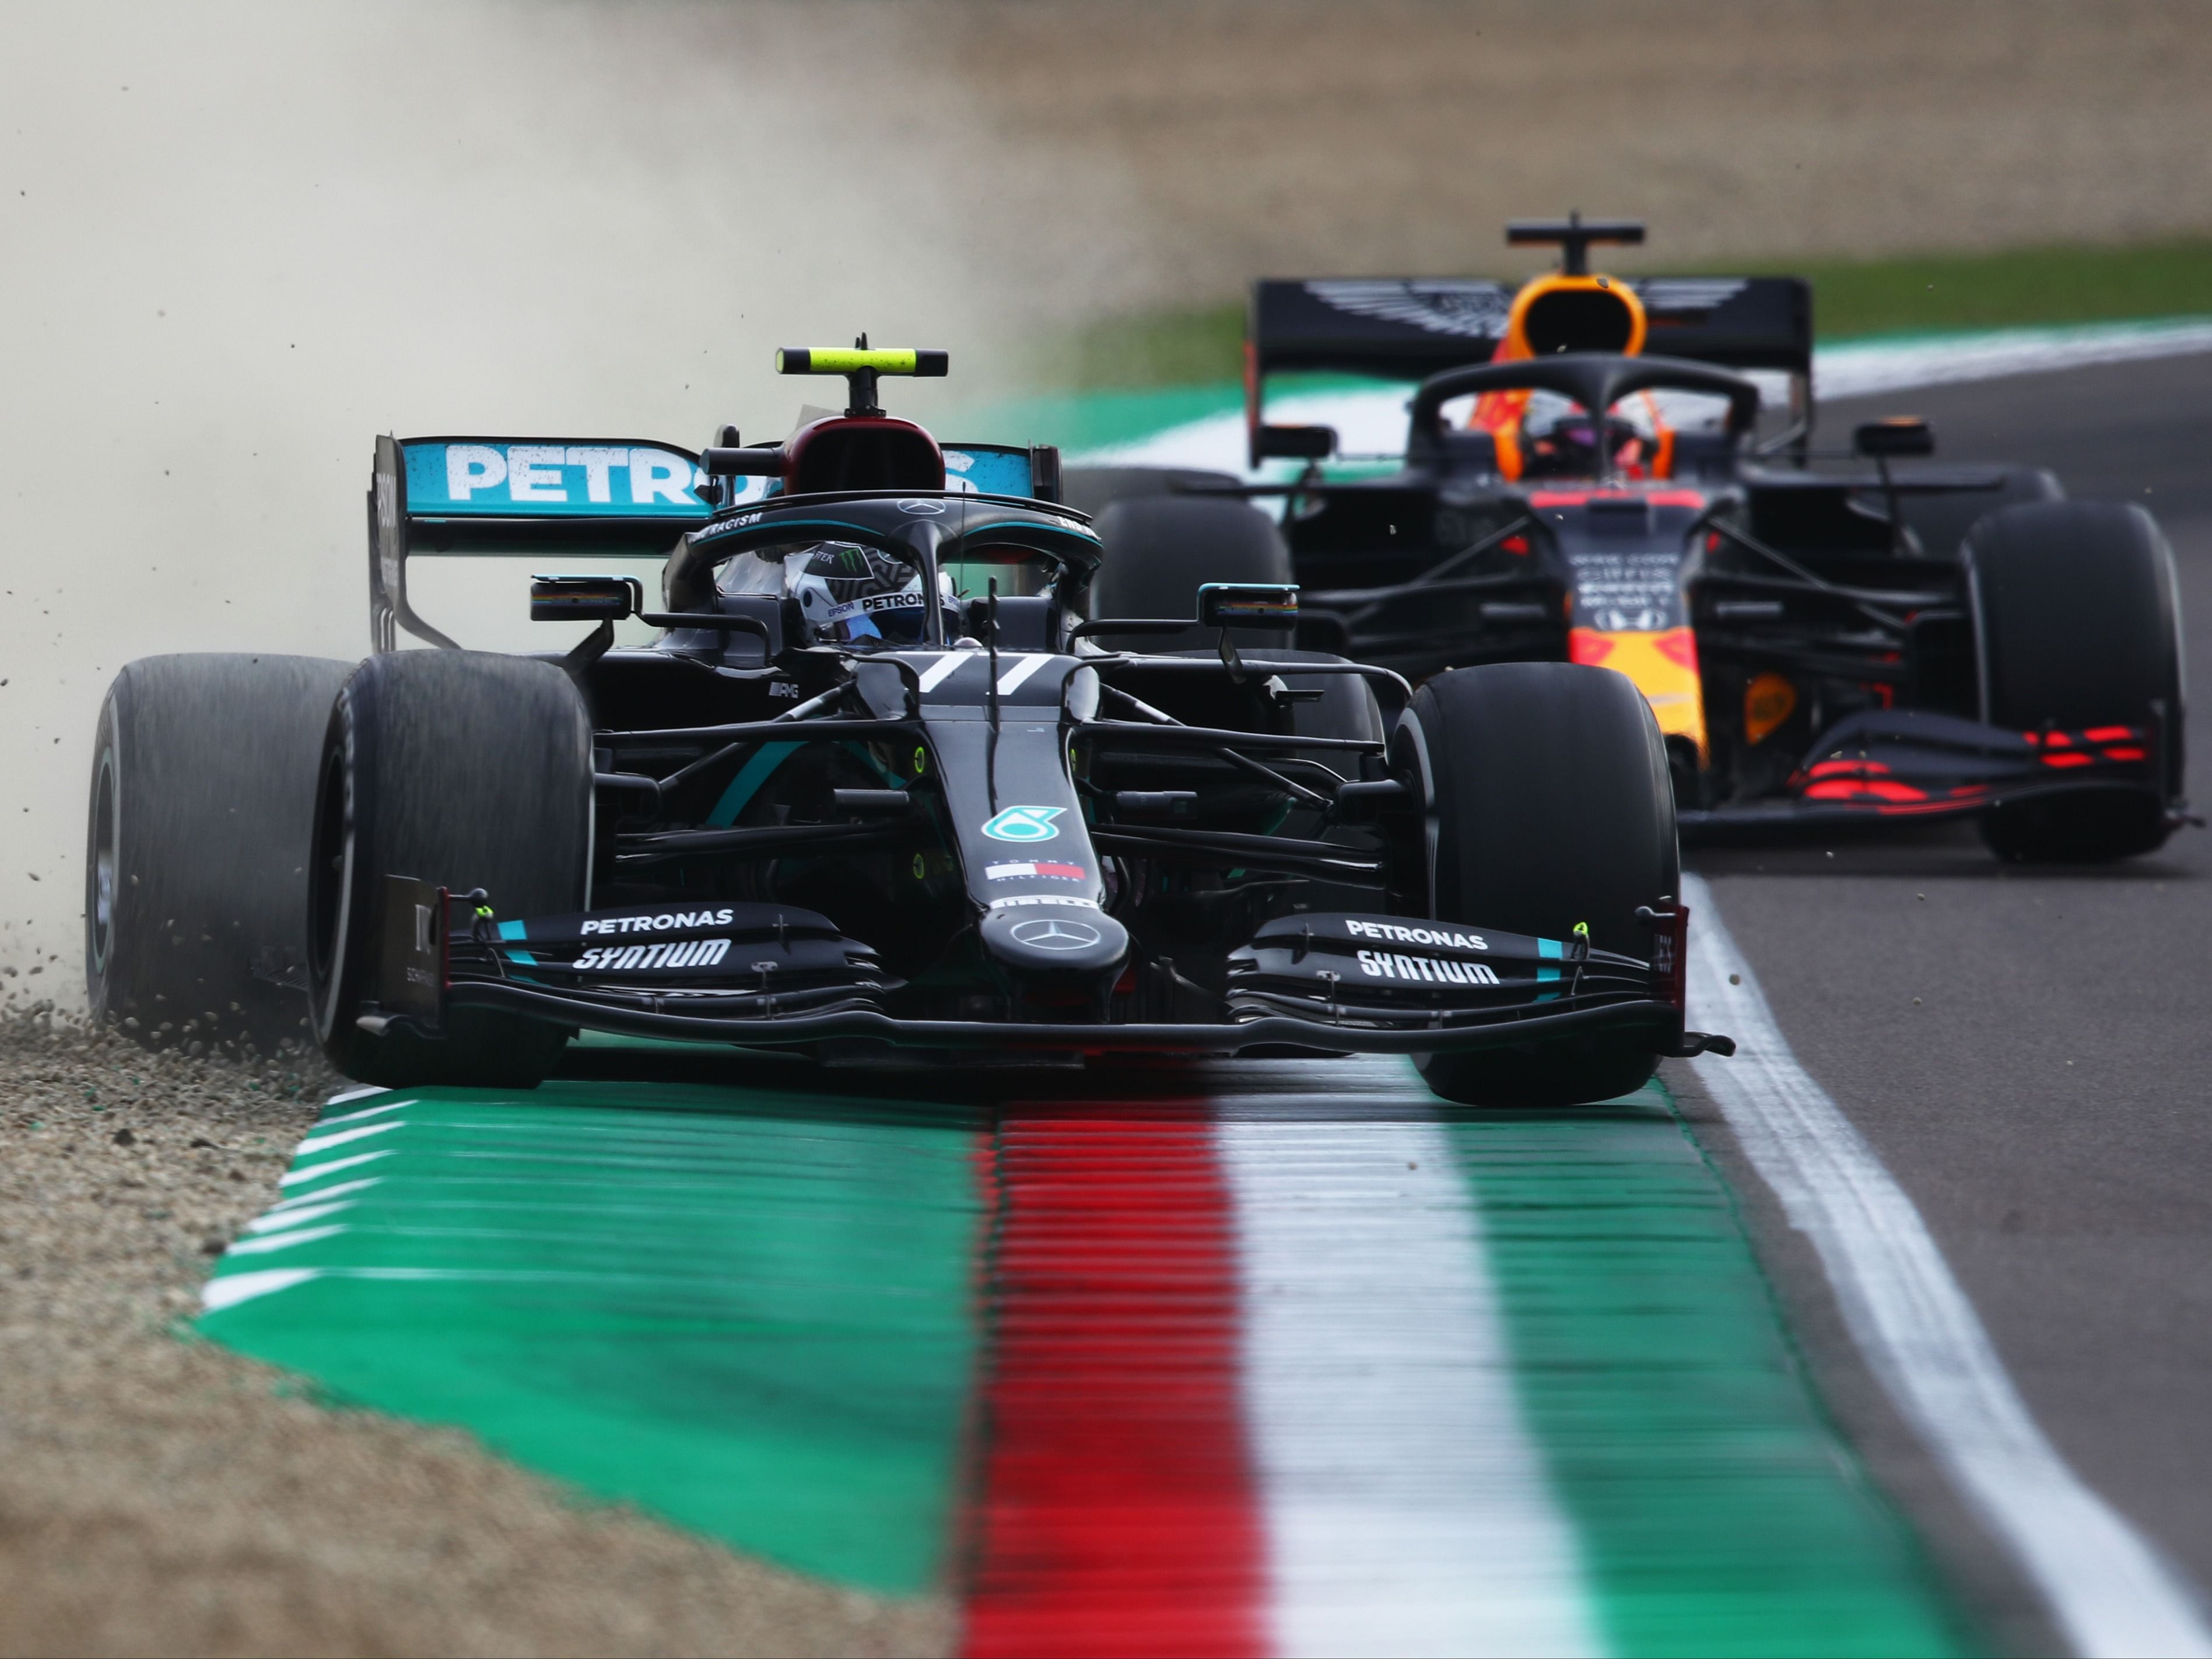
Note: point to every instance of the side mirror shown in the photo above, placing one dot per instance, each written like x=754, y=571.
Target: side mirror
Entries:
x=1247, y=604
x=585, y=599
x=1044, y=472
x=1294, y=443
x=734, y=462
x=1900, y=435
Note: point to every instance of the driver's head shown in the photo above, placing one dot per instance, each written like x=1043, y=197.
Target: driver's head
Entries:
x=1559, y=441
x=856, y=596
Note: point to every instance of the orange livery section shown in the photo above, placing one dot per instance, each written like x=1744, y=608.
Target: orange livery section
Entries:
x=1662, y=663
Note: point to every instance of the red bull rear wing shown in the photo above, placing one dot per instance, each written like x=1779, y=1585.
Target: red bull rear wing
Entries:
x=1409, y=328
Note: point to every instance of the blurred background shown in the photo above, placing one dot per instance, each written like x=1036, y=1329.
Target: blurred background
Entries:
x=243, y=238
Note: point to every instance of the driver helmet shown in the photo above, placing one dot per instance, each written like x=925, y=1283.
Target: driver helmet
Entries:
x=1559, y=440
x=860, y=597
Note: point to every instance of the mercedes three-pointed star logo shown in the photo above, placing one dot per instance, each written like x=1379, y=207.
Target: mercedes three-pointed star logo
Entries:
x=1051, y=933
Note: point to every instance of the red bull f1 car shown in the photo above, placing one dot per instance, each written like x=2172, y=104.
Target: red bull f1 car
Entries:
x=1620, y=473
x=885, y=786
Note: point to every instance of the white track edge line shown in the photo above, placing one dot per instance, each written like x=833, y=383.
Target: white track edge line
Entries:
x=2106, y=1586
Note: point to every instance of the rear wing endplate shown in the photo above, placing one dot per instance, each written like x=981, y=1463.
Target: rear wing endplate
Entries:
x=535, y=497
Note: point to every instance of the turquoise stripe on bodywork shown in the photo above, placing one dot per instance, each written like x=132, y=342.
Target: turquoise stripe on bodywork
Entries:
x=1551, y=949
x=515, y=930
x=753, y=774
x=762, y=766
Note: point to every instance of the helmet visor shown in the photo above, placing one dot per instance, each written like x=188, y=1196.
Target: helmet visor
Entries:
x=860, y=597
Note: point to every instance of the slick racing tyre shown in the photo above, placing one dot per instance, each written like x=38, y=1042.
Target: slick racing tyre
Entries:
x=1345, y=708
x=2078, y=625
x=1551, y=806
x=461, y=770
x=1092, y=490
x=1941, y=520
x=1160, y=549
x=195, y=896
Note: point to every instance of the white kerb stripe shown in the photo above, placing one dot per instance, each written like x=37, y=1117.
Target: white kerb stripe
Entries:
x=230, y=1289
x=1406, y=1507
x=301, y=1200
x=366, y=1112
x=1023, y=667
x=267, y=1242
x=280, y=1216
x=317, y=1171
x=314, y=1143
x=942, y=670
x=2107, y=1586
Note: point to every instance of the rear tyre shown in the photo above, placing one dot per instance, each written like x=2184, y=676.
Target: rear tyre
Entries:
x=466, y=770
x=195, y=896
x=1550, y=805
x=1092, y=490
x=1160, y=549
x=2078, y=625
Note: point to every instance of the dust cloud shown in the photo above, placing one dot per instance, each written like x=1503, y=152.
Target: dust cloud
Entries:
x=242, y=240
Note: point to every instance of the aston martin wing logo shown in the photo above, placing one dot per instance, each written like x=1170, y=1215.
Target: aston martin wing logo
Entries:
x=1687, y=293
x=1469, y=308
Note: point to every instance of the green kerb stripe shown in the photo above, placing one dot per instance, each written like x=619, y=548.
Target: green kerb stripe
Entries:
x=1719, y=1511
x=747, y=1311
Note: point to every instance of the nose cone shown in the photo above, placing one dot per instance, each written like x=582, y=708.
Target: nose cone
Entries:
x=1055, y=939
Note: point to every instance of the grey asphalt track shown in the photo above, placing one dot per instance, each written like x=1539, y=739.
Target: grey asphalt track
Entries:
x=2029, y=1050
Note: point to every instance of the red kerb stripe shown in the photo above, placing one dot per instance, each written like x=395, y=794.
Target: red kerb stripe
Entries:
x=1116, y=1515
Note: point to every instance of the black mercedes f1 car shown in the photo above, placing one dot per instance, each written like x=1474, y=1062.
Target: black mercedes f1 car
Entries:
x=885, y=786
x=1593, y=473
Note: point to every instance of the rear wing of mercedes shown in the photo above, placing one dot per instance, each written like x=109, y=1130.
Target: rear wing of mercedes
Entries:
x=541, y=497
x=1410, y=328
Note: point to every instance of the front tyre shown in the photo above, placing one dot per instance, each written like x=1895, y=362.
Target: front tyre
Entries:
x=462, y=769
x=2078, y=625
x=1550, y=805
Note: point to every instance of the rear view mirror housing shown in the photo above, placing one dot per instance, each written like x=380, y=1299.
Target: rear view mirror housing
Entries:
x=1248, y=605
x=1044, y=472
x=1294, y=443
x=1900, y=436
x=585, y=599
x=763, y=461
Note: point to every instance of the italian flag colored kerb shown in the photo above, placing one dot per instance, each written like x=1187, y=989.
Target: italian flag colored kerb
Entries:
x=1296, y=1373
x=1305, y=1367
